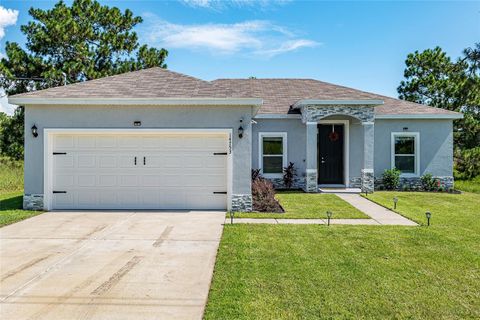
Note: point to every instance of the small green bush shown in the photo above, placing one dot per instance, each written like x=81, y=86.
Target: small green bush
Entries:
x=429, y=183
x=391, y=178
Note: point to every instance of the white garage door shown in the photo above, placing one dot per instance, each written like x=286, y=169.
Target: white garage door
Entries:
x=161, y=171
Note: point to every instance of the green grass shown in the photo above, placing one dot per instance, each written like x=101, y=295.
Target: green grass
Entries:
x=468, y=185
x=11, y=193
x=355, y=272
x=11, y=175
x=300, y=205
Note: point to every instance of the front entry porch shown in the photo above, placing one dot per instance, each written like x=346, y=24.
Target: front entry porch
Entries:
x=328, y=152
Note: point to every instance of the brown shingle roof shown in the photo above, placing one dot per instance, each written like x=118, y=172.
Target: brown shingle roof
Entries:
x=147, y=83
x=277, y=94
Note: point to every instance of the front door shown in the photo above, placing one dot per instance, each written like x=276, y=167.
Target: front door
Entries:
x=330, y=153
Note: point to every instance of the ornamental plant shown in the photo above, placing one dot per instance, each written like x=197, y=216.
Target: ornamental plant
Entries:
x=391, y=178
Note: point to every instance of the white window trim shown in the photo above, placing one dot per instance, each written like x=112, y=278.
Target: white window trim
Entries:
x=416, y=135
x=261, y=135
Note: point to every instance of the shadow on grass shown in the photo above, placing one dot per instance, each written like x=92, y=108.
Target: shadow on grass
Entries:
x=12, y=203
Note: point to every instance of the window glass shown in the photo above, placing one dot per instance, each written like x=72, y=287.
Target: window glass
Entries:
x=273, y=145
x=405, y=156
x=272, y=164
x=406, y=164
x=404, y=145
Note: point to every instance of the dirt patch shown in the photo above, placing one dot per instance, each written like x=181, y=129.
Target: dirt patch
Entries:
x=117, y=276
x=162, y=237
x=25, y=267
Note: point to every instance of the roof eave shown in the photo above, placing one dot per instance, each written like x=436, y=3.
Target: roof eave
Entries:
x=362, y=102
x=138, y=101
x=423, y=116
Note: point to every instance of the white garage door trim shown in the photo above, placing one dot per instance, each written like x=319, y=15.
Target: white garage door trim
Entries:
x=48, y=152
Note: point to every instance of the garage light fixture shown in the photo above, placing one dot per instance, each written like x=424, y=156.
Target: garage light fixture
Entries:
x=240, y=129
x=34, y=131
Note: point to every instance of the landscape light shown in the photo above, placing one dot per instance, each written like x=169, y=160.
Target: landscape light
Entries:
x=329, y=215
x=395, y=200
x=428, y=214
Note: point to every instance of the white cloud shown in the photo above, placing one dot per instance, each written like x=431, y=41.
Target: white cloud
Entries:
x=255, y=37
x=4, y=105
x=220, y=4
x=8, y=17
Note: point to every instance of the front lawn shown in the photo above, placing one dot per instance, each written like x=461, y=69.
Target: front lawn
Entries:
x=355, y=272
x=11, y=193
x=300, y=205
x=11, y=208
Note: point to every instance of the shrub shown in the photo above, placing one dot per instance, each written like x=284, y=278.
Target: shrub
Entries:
x=263, y=196
x=289, y=174
x=391, y=178
x=256, y=174
x=467, y=163
x=429, y=183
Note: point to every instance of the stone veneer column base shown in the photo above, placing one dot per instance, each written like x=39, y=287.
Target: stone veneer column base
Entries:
x=311, y=181
x=242, y=202
x=33, y=201
x=368, y=180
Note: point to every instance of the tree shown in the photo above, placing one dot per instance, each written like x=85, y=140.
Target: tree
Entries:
x=81, y=42
x=11, y=134
x=432, y=78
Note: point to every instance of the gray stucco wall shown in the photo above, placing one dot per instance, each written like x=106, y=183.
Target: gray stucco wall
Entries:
x=296, y=140
x=151, y=117
x=436, y=144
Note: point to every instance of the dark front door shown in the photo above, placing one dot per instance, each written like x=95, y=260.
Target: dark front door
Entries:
x=330, y=153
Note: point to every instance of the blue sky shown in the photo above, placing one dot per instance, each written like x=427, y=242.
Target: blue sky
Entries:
x=357, y=44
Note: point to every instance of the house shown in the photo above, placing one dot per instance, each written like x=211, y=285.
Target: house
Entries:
x=157, y=139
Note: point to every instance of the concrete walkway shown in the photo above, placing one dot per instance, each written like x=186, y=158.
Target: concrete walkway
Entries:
x=378, y=214
x=375, y=211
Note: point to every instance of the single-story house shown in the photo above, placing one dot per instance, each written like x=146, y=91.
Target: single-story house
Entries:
x=157, y=139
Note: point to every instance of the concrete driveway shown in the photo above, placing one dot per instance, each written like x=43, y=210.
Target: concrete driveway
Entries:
x=108, y=265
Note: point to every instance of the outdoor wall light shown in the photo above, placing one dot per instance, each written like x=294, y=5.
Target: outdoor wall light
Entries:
x=240, y=129
x=428, y=214
x=395, y=200
x=405, y=128
x=329, y=215
x=34, y=131
x=137, y=123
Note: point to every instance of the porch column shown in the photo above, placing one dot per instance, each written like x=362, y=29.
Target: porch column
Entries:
x=311, y=158
x=368, y=155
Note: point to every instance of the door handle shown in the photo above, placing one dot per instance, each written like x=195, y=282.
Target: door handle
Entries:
x=322, y=161
x=135, y=161
x=144, y=162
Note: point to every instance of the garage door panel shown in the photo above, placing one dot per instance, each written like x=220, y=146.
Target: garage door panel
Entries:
x=180, y=172
x=64, y=161
x=86, y=180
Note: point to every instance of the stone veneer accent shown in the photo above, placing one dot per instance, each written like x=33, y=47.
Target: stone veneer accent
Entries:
x=242, y=202
x=298, y=183
x=315, y=112
x=33, y=201
x=368, y=181
x=415, y=183
x=311, y=181
x=355, y=182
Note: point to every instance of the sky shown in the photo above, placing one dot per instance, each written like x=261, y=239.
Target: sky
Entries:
x=358, y=44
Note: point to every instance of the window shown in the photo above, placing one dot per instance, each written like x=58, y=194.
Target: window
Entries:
x=405, y=152
x=273, y=153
